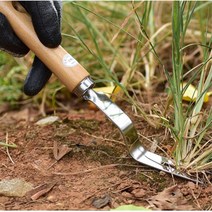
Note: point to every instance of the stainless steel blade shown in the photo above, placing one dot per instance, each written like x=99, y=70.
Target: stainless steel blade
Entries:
x=129, y=133
x=158, y=162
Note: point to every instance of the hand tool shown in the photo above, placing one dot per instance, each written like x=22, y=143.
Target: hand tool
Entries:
x=78, y=81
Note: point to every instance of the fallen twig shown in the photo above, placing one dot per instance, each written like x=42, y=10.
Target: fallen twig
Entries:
x=1, y=118
x=95, y=169
x=7, y=145
x=196, y=200
x=105, y=139
x=7, y=148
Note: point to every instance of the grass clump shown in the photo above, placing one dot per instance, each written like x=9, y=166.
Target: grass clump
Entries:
x=192, y=150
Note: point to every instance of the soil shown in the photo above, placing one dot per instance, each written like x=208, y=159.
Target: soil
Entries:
x=96, y=171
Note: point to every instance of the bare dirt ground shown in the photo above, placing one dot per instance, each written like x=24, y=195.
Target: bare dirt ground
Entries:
x=96, y=173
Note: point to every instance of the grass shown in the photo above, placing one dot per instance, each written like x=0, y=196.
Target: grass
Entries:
x=139, y=47
x=10, y=79
x=189, y=127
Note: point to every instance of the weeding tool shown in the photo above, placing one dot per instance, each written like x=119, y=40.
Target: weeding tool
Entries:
x=78, y=81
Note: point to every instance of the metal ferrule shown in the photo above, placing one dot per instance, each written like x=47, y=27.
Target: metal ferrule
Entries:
x=84, y=85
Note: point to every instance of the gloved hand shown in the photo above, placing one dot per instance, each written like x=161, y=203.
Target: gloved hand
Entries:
x=46, y=19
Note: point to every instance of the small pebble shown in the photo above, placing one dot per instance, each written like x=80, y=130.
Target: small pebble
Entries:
x=51, y=198
x=185, y=192
x=14, y=188
x=138, y=193
x=191, y=185
x=122, y=173
x=126, y=194
x=130, y=201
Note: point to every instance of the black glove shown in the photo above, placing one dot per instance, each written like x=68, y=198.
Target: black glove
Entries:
x=46, y=19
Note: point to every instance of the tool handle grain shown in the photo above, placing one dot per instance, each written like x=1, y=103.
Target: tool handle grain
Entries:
x=62, y=64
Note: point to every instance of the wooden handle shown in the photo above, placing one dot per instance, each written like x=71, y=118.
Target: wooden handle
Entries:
x=58, y=60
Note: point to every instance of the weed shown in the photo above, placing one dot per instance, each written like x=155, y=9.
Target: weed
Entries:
x=192, y=150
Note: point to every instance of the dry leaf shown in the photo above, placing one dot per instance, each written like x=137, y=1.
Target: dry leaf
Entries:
x=169, y=199
x=190, y=93
x=101, y=202
x=191, y=185
x=61, y=151
x=40, y=190
x=47, y=120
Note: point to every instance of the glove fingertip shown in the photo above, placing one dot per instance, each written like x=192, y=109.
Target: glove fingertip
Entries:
x=29, y=91
x=36, y=78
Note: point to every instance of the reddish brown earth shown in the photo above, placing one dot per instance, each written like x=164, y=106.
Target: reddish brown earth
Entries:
x=97, y=173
